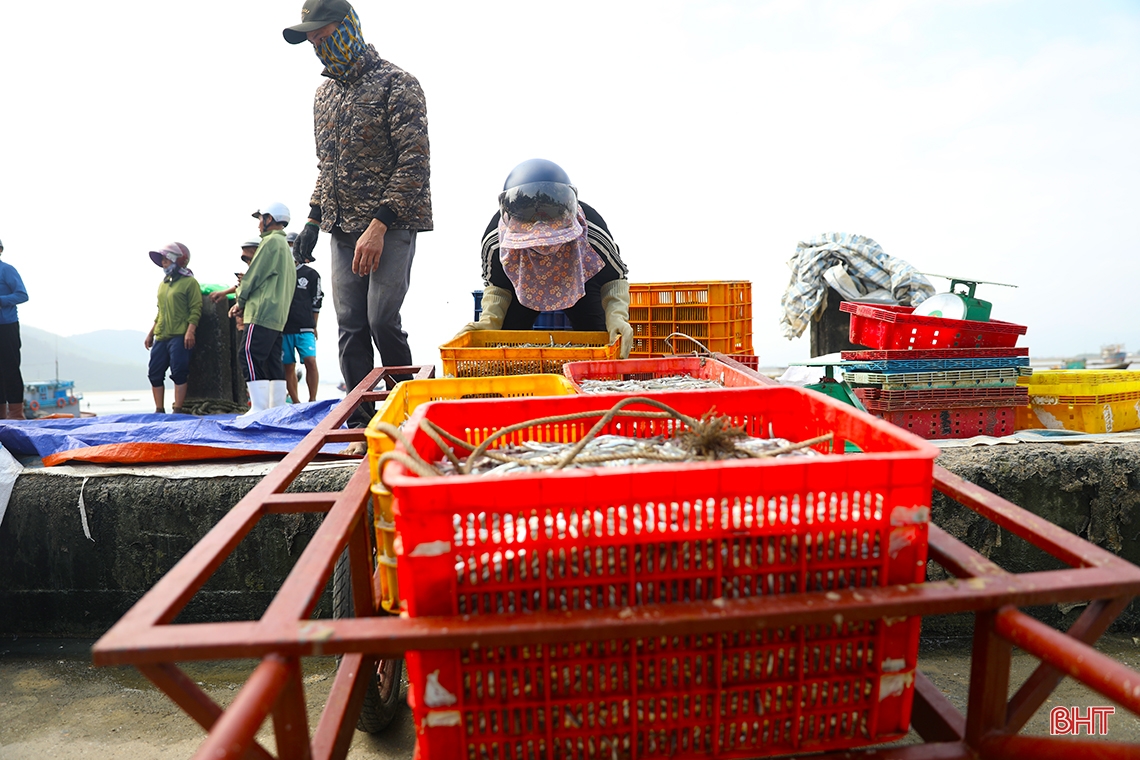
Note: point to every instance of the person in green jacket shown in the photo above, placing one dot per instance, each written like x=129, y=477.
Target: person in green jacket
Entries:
x=171, y=337
x=262, y=303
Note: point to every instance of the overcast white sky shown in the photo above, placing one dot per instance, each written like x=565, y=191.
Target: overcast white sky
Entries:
x=996, y=139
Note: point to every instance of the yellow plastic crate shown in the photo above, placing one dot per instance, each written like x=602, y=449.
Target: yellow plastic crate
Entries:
x=485, y=353
x=716, y=314
x=1110, y=417
x=399, y=405
x=1082, y=386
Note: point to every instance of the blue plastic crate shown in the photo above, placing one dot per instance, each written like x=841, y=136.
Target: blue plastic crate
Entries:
x=936, y=365
x=547, y=320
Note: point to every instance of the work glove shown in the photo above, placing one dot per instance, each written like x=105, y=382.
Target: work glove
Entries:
x=615, y=303
x=305, y=243
x=496, y=301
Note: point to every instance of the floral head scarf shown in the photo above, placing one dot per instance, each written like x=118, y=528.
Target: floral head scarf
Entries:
x=551, y=277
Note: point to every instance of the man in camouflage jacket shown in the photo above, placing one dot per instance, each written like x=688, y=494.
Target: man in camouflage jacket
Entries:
x=373, y=192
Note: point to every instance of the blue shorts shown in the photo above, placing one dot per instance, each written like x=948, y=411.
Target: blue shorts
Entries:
x=169, y=354
x=304, y=344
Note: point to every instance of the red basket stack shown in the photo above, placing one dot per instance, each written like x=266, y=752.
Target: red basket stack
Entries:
x=700, y=367
x=938, y=378
x=618, y=537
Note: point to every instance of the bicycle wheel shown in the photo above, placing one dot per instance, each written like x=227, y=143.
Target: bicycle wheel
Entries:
x=382, y=697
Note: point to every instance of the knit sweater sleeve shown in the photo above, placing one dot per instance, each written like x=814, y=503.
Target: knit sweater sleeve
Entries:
x=194, y=296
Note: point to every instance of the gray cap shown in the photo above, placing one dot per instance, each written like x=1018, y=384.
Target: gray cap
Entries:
x=314, y=15
x=251, y=244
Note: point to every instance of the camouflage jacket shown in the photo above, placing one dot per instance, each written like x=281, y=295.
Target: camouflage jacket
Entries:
x=372, y=149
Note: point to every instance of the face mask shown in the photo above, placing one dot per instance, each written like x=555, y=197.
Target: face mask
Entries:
x=169, y=269
x=343, y=47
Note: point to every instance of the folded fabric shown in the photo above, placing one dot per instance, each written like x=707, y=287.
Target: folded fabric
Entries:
x=856, y=267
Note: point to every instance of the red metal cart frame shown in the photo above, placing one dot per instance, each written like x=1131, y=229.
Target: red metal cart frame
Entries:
x=147, y=638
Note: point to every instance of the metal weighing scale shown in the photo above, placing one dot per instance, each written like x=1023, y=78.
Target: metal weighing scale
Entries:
x=829, y=386
x=960, y=302
x=836, y=389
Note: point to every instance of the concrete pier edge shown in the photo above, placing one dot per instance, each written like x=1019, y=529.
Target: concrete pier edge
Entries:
x=56, y=581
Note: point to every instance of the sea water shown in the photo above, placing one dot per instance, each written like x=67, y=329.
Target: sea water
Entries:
x=102, y=403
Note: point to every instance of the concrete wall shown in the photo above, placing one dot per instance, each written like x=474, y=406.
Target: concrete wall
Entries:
x=54, y=581
x=1092, y=490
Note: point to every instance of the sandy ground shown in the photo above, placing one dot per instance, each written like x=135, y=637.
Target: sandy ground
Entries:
x=54, y=703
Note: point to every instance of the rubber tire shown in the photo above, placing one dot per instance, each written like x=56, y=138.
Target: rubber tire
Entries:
x=383, y=696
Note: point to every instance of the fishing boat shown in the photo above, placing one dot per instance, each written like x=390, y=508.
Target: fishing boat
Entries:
x=51, y=397
x=1112, y=356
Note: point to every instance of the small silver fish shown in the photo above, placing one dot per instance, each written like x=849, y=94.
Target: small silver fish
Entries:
x=668, y=383
x=608, y=451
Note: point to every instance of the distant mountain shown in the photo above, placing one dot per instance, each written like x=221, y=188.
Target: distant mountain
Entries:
x=107, y=360
x=114, y=345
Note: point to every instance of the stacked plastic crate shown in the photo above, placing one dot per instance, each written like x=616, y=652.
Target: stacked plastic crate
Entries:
x=1089, y=401
x=696, y=367
x=679, y=318
x=713, y=316
x=611, y=540
x=936, y=377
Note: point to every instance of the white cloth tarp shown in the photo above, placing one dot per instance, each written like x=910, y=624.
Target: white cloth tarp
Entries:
x=9, y=470
x=853, y=265
x=1039, y=436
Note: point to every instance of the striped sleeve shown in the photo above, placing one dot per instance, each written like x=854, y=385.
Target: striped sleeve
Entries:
x=604, y=245
x=490, y=249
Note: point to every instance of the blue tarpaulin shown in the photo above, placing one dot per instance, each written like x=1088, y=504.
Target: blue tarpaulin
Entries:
x=165, y=437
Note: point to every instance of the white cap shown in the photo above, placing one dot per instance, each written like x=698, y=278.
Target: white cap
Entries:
x=278, y=211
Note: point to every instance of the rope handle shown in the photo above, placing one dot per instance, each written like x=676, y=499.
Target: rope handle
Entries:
x=422, y=468
x=669, y=343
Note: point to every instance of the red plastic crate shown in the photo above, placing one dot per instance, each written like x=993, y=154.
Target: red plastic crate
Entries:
x=955, y=423
x=752, y=361
x=878, y=400
x=622, y=537
x=894, y=327
x=698, y=367
x=934, y=353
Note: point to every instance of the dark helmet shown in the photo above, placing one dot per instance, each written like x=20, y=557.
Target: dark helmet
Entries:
x=538, y=190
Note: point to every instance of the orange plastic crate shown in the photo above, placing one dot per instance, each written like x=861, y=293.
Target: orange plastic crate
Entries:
x=486, y=353
x=699, y=367
x=630, y=536
x=717, y=314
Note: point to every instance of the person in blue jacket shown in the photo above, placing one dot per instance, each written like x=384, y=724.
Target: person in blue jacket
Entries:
x=12, y=293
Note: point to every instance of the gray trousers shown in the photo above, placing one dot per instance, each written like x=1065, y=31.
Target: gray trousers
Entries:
x=368, y=308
